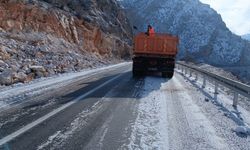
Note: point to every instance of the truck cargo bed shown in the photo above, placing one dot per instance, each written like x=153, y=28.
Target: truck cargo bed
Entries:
x=155, y=53
x=159, y=44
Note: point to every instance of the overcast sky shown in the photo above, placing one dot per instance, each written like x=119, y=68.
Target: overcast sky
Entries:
x=235, y=13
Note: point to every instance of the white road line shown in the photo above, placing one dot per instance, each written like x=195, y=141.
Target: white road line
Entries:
x=26, y=128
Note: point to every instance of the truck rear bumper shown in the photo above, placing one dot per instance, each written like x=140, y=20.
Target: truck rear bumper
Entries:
x=155, y=64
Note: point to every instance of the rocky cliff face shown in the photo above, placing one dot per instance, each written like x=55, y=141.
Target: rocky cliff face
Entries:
x=43, y=37
x=204, y=37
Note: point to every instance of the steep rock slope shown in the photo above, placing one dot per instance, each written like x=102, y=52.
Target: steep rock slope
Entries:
x=204, y=37
x=43, y=37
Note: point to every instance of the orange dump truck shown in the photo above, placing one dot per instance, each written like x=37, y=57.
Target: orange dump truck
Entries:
x=155, y=53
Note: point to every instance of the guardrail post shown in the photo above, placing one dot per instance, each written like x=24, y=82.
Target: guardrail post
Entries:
x=216, y=85
x=182, y=69
x=196, y=76
x=235, y=101
x=114, y=45
x=204, y=81
x=185, y=70
x=190, y=73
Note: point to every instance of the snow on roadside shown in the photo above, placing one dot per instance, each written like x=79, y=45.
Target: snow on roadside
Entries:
x=150, y=128
x=14, y=94
x=218, y=71
x=237, y=73
x=225, y=100
x=200, y=126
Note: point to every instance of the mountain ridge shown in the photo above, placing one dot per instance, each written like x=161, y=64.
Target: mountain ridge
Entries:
x=204, y=36
x=246, y=36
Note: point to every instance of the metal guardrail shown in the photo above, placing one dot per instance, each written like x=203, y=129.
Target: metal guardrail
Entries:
x=238, y=88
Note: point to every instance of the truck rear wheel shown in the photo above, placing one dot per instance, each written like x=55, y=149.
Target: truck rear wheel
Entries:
x=170, y=74
x=164, y=74
x=167, y=74
x=137, y=73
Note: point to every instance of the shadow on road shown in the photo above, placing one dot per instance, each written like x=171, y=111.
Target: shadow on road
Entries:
x=126, y=86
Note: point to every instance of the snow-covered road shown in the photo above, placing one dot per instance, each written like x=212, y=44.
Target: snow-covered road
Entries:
x=122, y=112
x=168, y=119
x=177, y=114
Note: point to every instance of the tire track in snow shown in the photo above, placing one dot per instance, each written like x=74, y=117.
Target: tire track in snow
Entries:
x=149, y=130
x=169, y=119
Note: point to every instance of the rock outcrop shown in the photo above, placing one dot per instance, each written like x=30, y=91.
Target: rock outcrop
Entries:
x=39, y=38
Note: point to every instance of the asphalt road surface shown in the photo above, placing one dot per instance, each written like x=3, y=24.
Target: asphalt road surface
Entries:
x=112, y=110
